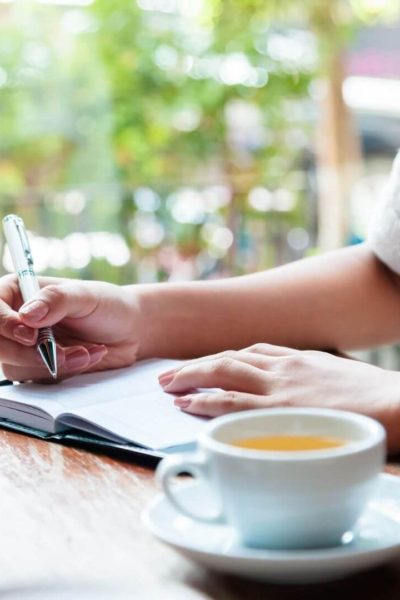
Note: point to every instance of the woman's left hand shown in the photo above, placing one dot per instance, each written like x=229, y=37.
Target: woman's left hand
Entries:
x=266, y=376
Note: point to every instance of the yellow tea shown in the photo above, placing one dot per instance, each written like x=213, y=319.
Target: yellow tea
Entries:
x=289, y=443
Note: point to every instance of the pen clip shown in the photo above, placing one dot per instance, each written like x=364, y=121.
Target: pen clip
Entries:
x=24, y=241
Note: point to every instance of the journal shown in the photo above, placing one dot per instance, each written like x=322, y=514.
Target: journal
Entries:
x=121, y=407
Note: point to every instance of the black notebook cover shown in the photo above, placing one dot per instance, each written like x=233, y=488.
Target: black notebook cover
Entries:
x=91, y=442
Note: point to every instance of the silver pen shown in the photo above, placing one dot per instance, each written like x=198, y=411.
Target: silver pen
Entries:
x=21, y=255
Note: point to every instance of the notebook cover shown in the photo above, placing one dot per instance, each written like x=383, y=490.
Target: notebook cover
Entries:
x=90, y=442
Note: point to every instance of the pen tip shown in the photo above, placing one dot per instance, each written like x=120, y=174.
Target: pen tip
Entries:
x=48, y=352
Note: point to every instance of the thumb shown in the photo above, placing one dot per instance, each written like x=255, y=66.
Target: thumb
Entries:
x=56, y=302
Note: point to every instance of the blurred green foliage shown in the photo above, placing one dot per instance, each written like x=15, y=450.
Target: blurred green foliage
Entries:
x=163, y=67
x=117, y=104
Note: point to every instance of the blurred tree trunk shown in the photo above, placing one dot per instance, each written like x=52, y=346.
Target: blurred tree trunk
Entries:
x=338, y=159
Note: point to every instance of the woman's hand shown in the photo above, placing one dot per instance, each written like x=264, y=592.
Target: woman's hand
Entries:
x=263, y=376
x=95, y=325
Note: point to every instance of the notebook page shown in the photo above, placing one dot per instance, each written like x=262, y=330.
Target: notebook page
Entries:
x=128, y=403
x=87, y=389
x=149, y=419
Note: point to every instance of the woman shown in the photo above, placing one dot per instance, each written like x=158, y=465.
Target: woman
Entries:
x=280, y=327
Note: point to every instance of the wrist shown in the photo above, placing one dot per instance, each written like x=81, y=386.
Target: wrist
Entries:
x=147, y=310
x=166, y=317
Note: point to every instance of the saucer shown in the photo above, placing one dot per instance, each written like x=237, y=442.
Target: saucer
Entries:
x=375, y=540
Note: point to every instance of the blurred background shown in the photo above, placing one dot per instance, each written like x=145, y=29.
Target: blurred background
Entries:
x=165, y=140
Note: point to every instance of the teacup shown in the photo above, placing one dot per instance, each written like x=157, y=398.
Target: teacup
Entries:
x=284, y=497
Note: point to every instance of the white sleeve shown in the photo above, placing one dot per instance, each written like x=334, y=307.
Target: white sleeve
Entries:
x=384, y=230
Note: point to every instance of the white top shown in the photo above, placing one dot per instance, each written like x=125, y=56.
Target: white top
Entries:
x=384, y=230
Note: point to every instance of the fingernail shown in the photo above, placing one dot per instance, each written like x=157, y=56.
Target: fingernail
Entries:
x=77, y=359
x=24, y=334
x=183, y=402
x=167, y=373
x=166, y=378
x=97, y=353
x=35, y=310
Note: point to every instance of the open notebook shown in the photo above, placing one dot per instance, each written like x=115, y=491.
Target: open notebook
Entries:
x=123, y=407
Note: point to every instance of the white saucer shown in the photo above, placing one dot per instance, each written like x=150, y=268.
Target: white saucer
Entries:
x=376, y=540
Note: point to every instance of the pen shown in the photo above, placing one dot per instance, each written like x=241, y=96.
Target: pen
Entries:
x=21, y=255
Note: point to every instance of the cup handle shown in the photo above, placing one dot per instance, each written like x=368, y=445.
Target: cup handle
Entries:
x=197, y=466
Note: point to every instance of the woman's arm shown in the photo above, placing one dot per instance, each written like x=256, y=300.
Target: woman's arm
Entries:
x=342, y=299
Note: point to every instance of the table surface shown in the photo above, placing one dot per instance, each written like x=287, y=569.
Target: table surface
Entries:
x=69, y=516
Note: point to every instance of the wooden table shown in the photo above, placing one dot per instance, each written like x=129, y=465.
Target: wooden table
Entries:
x=70, y=516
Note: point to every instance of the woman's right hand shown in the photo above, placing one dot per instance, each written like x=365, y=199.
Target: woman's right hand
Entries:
x=95, y=325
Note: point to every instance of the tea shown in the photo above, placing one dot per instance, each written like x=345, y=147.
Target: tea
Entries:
x=289, y=443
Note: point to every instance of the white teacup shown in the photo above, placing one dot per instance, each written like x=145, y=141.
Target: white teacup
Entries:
x=283, y=499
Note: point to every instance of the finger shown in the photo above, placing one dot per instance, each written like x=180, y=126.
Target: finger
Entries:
x=29, y=358
x=9, y=291
x=16, y=354
x=12, y=328
x=37, y=370
x=249, y=358
x=56, y=302
x=214, y=404
x=225, y=373
x=70, y=361
x=271, y=350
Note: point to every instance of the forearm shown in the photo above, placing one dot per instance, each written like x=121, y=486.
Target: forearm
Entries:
x=344, y=299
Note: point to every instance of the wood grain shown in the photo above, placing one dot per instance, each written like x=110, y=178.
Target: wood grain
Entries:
x=70, y=516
